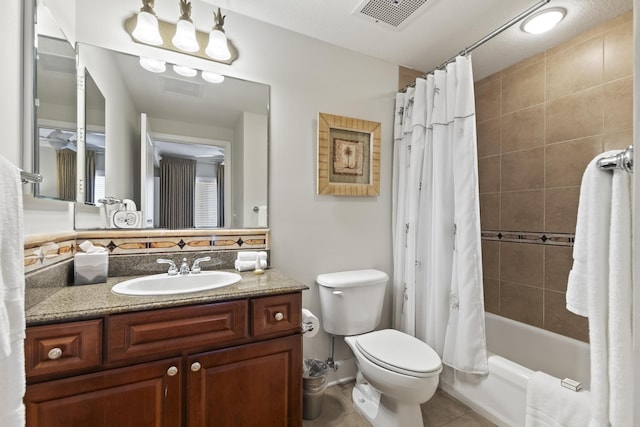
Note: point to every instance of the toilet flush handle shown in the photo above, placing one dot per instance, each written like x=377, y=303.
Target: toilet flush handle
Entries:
x=337, y=293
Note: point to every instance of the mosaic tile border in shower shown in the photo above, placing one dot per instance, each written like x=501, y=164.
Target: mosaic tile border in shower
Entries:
x=531, y=237
x=41, y=251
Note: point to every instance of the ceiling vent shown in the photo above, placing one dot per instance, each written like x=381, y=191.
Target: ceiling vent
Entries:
x=182, y=87
x=393, y=14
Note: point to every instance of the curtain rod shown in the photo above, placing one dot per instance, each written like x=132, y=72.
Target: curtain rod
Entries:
x=486, y=38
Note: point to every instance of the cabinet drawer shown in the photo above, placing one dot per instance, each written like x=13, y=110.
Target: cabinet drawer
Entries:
x=67, y=348
x=276, y=315
x=166, y=332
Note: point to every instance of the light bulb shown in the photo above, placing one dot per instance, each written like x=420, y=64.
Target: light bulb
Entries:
x=212, y=77
x=217, y=47
x=146, y=30
x=153, y=65
x=185, y=71
x=543, y=21
x=185, y=37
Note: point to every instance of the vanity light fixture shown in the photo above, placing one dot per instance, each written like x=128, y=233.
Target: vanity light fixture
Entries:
x=544, y=20
x=212, y=77
x=218, y=44
x=146, y=30
x=185, y=36
x=185, y=71
x=153, y=65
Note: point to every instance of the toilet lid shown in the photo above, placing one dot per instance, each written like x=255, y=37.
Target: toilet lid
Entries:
x=399, y=352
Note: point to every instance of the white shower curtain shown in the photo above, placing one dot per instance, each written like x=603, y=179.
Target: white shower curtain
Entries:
x=438, y=294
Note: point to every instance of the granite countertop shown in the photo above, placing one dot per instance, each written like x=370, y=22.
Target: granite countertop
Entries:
x=64, y=303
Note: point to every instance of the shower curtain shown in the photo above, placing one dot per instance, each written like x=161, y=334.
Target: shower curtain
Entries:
x=438, y=294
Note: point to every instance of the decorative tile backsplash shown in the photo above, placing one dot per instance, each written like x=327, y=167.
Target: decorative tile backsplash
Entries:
x=41, y=251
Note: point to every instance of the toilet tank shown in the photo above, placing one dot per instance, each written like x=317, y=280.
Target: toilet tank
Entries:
x=351, y=301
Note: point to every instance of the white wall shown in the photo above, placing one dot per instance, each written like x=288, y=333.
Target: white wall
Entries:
x=311, y=234
x=255, y=167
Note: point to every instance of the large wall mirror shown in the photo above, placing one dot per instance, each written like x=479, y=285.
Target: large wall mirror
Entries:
x=180, y=150
x=55, y=110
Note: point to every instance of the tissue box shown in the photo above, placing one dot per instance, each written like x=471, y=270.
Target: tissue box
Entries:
x=90, y=268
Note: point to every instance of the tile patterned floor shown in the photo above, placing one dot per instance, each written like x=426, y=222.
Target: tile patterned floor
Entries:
x=441, y=410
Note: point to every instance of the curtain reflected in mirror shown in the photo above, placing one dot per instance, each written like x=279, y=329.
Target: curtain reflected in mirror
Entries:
x=177, y=192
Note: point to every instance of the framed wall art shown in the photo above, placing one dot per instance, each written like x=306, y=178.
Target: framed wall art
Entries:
x=348, y=156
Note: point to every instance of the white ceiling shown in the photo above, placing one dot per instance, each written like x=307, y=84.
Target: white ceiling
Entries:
x=441, y=29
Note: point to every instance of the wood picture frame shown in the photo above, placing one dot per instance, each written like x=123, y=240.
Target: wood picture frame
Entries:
x=348, y=156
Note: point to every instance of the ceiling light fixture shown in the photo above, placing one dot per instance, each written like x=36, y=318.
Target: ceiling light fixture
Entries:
x=153, y=65
x=218, y=47
x=212, y=77
x=544, y=20
x=144, y=27
x=146, y=30
x=185, y=71
x=185, y=37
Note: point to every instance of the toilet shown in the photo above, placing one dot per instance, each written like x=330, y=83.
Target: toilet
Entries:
x=396, y=372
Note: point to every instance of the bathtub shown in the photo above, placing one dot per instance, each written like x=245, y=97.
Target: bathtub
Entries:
x=516, y=350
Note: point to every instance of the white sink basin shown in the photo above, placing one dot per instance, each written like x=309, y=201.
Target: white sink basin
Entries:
x=163, y=284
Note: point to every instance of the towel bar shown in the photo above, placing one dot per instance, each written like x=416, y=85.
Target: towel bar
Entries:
x=28, y=177
x=623, y=160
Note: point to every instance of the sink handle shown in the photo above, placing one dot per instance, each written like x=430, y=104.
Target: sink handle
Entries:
x=173, y=270
x=195, y=269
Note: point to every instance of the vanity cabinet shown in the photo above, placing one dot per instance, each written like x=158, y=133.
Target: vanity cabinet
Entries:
x=234, y=363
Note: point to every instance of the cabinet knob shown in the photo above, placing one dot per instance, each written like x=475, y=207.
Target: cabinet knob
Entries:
x=54, y=353
x=195, y=366
x=172, y=371
x=278, y=316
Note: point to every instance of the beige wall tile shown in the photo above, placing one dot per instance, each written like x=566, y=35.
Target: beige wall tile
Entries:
x=522, y=263
x=575, y=116
x=575, y=69
x=618, y=105
x=618, y=52
x=580, y=38
x=523, y=88
x=493, y=77
x=560, y=320
x=489, y=137
x=523, y=129
x=625, y=18
x=491, y=259
x=522, y=170
x=491, y=289
x=618, y=140
x=557, y=264
x=522, y=210
x=561, y=209
x=522, y=303
x=566, y=161
x=489, y=174
x=490, y=211
x=407, y=76
x=524, y=63
x=488, y=98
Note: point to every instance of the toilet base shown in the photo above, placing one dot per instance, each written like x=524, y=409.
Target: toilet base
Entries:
x=382, y=411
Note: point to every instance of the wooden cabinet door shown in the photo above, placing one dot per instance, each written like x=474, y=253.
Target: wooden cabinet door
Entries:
x=257, y=384
x=141, y=395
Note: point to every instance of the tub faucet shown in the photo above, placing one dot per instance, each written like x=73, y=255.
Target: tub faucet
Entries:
x=184, y=267
x=172, y=266
x=195, y=268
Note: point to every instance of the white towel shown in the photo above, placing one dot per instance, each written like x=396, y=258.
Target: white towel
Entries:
x=599, y=287
x=251, y=255
x=249, y=265
x=551, y=405
x=12, y=321
x=620, y=304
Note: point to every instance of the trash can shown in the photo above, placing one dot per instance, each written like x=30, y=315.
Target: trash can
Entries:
x=314, y=383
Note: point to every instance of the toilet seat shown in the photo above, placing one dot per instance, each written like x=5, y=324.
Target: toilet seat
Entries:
x=399, y=352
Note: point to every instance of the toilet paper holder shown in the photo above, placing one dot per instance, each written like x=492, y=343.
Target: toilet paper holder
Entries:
x=307, y=327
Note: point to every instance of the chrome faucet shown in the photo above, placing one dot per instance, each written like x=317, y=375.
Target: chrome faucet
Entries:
x=172, y=266
x=184, y=267
x=195, y=269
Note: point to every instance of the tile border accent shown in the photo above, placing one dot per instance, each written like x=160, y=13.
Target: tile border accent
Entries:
x=44, y=250
x=531, y=237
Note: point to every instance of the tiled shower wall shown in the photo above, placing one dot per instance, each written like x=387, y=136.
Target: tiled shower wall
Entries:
x=539, y=124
